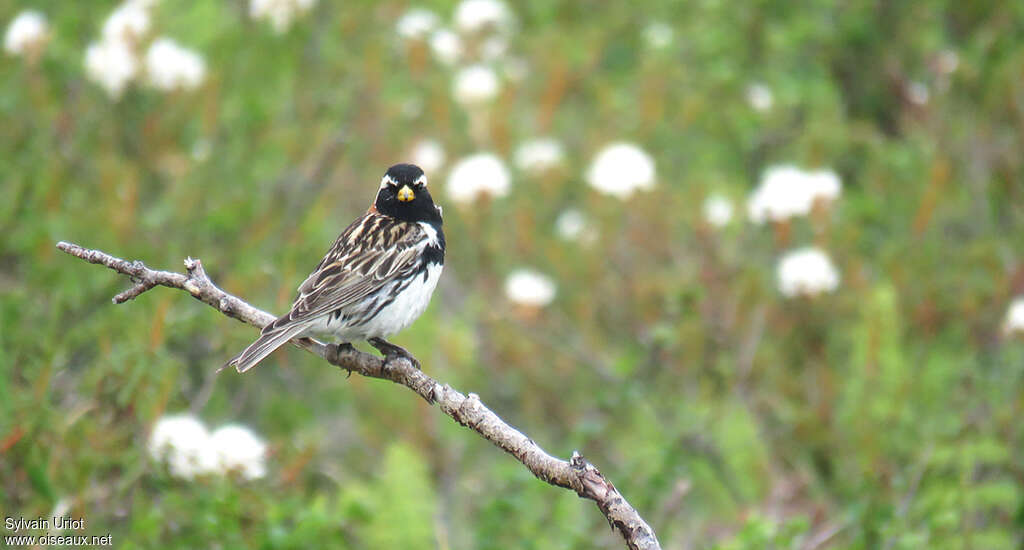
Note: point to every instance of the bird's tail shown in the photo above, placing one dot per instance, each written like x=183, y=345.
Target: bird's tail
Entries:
x=273, y=337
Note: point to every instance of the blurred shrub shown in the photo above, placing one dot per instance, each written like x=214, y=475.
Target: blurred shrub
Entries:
x=882, y=414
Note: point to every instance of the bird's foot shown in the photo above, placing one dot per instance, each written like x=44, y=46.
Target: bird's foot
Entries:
x=335, y=351
x=391, y=351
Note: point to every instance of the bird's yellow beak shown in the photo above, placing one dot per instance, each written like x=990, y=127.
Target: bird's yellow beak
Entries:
x=405, y=194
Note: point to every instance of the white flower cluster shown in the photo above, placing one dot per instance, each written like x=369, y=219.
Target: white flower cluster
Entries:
x=480, y=38
x=112, y=65
x=475, y=85
x=190, y=450
x=26, y=34
x=718, y=210
x=807, y=272
x=446, y=45
x=128, y=23
x=473, y=16
x=114, y=61
x=529, y=288
x=570, y=224
x=787, y=191
x=417, y=24
x=658, y=35
x=280, y=13
x=621, y=169
x=759, y=96
x=539, y=155
x=494, y=48
x=428, y=154
x=478, y=175
x=573, y=226
x=172, y=67
x=477, y=39
x=485, y=174
x=1014, y=322
x=184, y=443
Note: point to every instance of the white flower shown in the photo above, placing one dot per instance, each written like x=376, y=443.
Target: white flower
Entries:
x=475, y=15
x=539, y=155
x=238, y=448
x=280, y=13
x=947, y=61
x=478, y=175
x=111, y=64
x=189, y=450
x=658, y=35
x=1015, y=316
x=26, y=32
x=182, y=440
x=428, y=154
x=917, y=93
x=718, y=210
x=823, y=184
x=446, y=45
x=493, y=48
x=127, y=23
x=787, y=191
x=475, y=84
x=416, y=23
x=807, y=272
x=759, y=97
x=572, y=225
x=620, y=169
x=171, y=67
x=526, y=287
x=783, y=193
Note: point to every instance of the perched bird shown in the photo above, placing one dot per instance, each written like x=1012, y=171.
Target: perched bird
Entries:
x=375, y=280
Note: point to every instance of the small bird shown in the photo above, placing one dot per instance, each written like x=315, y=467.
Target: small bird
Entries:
x=375, y=280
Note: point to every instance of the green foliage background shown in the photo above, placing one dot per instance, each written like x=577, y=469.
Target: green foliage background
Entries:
x=885, y=415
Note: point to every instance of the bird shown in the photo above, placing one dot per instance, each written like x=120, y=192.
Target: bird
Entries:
x=375, y=280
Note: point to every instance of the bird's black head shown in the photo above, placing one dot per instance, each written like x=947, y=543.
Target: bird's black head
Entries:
x=403, y=195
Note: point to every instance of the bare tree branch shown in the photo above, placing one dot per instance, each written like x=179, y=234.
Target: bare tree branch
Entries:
x=576, y=474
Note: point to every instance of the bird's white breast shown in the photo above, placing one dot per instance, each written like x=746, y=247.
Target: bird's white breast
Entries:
x=409, y=304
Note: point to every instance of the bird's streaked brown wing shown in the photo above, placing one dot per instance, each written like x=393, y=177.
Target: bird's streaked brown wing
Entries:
x=369, y=254
x=365, y=257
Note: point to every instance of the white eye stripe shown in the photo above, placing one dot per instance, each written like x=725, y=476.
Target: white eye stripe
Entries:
x=386, y=180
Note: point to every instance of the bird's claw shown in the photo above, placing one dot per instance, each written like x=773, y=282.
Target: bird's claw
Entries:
x=391, y=351
x=335, y=351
